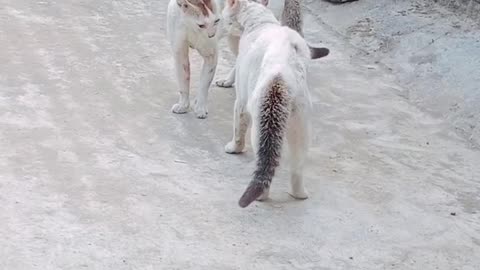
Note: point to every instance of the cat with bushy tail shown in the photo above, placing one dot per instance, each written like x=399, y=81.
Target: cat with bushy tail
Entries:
x=272, y=97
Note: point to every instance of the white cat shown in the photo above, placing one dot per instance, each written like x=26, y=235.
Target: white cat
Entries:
x=271, y=93
x=233, y=39
x=193, y=24
x=291, y=15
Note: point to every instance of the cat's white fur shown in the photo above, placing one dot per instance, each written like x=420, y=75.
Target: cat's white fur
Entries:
x=233, y=39
x=188, y=26
x=271, y=68
x=290, y=12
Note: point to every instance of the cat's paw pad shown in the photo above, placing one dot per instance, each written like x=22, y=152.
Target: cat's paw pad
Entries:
x=201, y=110
x=224, y=83
x=180, y=108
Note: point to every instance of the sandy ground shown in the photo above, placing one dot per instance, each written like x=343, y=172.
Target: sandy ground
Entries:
x=96, y=173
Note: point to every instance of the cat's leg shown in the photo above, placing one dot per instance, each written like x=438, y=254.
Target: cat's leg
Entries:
x=228, y=81
x=241, y=121
x=206, y=78
x=233, y=43
x=297, y=138
x=182, y=71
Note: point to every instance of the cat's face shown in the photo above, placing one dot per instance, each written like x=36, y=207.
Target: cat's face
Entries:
x=231, y=10
x=201, y=13
x=229, y=15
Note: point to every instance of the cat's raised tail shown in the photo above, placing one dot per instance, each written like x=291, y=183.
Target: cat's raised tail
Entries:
x=292, y=16
x=271, y=125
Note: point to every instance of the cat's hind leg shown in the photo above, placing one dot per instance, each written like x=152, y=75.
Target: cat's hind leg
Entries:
x=241, y=121
x=297, y=138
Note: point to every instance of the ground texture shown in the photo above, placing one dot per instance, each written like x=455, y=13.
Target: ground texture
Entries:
x=96, y=173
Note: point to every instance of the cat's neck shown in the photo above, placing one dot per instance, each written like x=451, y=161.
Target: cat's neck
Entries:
x=253, y=16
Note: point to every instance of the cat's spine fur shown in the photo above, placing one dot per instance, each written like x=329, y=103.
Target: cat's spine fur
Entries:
x=274, y=113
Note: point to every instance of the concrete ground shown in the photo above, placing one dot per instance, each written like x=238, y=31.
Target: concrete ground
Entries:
x=433, y=52
x=96, y=173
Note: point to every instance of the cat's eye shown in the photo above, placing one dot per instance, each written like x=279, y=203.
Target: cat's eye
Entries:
x=201, y=25
x=216, y=21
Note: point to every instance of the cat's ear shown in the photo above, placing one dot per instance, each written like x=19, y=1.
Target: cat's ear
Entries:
x=263, y=2
x=183, y=4
x=232, y=3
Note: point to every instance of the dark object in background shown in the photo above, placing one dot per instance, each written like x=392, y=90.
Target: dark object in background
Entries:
x=340, y=1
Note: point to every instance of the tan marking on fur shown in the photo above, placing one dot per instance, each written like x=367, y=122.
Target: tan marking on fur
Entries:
x=209, y=5
x=205, y=7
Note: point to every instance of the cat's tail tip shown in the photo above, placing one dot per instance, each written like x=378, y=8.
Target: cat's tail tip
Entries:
x=253, y=191
x=316, y=53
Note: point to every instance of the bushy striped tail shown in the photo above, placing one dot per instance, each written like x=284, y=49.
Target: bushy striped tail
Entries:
x=274, y=113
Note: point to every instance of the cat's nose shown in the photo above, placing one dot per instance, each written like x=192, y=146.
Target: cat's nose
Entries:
x=211, y=36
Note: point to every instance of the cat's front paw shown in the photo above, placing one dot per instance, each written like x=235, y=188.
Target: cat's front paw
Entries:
x=233, y=148
x=300, y=194
x=224, y=83
x=200, y=109
x=180, y=108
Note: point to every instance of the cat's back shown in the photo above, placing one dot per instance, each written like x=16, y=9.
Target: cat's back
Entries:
x=172, y=10
x=280, y=43
x=271, y=47
x=173, y=17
